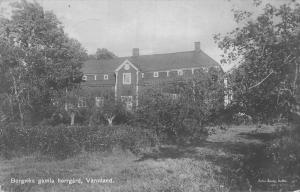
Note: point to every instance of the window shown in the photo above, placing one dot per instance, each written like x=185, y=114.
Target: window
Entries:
x=127, y=78
x=174, y=96
x=99, y=101
x=105, y=77
x=142, y=75
x=155, y=74
x=84, y=77
x=128, y=102
x=81, y=102
x=95, y=77
x=180, y=72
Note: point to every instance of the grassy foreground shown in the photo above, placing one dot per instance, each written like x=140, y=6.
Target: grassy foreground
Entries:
x=172, y=169
x=119, y=171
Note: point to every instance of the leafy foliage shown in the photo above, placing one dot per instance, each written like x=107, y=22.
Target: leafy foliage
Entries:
x=38, y=60
x=181, y=108
x=62, y=141
x=102, y=54
x=265, y=52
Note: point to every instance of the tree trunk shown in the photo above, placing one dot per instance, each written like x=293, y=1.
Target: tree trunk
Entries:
x=90, y=120
x=72, y=118
x=17, y=94
x=110, y=120
x=21, y=115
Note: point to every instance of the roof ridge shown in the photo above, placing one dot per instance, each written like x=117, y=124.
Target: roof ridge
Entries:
x=127, y=57
x=156, y=61
x=168, y=53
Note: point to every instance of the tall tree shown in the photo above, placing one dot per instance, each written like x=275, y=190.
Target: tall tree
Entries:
x=182, y=107
x=265, y=50
x=104, y=54
x=39, y=61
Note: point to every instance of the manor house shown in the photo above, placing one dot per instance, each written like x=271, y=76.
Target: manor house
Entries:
x=127, y=77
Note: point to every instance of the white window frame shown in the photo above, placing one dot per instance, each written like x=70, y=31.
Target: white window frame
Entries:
x=125, y=82
x=84, y=77
x=105, y=77
x=155, y=74
x=128, y=100
x=81, y=102
x=180, y=72
x=175, y=96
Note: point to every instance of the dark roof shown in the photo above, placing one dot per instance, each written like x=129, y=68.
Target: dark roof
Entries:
x=156, y=62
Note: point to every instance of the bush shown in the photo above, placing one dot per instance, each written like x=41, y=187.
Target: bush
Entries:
x=63, y=141
x=181, y=108
x=135, y=139
x=278, y=159
x=285, y=153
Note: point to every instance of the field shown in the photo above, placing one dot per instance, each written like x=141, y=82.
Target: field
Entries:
x=205, y=167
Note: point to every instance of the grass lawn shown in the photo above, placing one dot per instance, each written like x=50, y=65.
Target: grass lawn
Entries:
x=172, y=169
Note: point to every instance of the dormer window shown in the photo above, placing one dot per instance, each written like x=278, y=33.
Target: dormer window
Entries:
x=155, y=74
x=180, y=72
x=105, y=77
x=84, y=77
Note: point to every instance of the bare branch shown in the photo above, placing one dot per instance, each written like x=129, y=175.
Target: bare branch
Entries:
x=261, y=80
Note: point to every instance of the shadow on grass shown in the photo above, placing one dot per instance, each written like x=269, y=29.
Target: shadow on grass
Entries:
x=242, y=164
x=264, y=137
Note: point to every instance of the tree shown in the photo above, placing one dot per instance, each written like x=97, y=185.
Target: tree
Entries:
x=103, y=54
x=38, y=60
x=182, y=107
x=265, y=50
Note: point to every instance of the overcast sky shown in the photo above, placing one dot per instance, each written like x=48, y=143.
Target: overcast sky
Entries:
x=153, y=26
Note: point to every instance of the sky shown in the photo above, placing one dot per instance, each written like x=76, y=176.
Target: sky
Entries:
x=153, y=26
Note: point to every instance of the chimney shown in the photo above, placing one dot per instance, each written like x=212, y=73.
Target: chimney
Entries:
x=197, y=46
x=135, y=52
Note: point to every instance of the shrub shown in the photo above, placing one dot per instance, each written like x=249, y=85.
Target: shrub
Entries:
x=241, y=118
x=63, y=141
x=14, y=138
x=135, y=139
x=285, y=153
x=278, y=159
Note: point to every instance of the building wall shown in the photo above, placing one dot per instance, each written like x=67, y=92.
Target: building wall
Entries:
x=98, y=85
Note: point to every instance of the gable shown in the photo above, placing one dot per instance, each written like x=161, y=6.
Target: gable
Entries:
x=126, y=65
